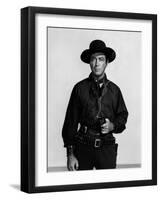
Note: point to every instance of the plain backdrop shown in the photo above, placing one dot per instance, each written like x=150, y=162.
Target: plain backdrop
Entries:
x=65, y=69
x=10, y=100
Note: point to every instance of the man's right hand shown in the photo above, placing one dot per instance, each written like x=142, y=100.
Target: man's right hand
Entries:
x=72, y=163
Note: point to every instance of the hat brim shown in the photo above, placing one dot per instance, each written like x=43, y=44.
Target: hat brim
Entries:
x=109, y=53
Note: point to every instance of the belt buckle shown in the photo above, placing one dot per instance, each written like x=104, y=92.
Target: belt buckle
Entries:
x=97, y=143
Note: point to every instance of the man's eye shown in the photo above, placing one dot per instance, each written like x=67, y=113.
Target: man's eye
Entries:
x=101, y=59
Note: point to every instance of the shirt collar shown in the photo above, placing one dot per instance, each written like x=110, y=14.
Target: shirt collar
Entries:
x=104, y=80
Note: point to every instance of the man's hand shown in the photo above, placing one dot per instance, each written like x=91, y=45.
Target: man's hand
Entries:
x=107, y=127
x=72, y=163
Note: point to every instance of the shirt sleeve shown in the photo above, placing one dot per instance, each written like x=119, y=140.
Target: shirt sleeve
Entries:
x=71, y=118
x=121, y=114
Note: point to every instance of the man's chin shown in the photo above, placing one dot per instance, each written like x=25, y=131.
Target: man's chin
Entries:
x=97, y=74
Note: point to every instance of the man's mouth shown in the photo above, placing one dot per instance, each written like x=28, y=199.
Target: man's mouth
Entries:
x=97, y=69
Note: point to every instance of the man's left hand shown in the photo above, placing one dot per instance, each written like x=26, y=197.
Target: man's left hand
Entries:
x=107, y=127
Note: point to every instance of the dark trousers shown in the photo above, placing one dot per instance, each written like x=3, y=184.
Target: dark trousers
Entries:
x=100, y=158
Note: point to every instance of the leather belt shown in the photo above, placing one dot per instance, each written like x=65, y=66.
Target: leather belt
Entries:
x=93, y=139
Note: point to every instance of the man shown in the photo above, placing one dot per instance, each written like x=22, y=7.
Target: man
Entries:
x=95, y=111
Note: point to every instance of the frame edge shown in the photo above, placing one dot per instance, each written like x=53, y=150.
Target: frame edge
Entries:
x=28, y=89
x=27, y=100
x=24, y=100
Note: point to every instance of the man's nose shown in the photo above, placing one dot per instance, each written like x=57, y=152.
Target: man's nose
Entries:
x=96, y=61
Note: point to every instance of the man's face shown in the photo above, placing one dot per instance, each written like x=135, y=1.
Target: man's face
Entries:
x=98, y=64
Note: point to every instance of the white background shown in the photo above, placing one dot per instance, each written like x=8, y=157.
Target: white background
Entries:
x=10, y=99
x=125, y=71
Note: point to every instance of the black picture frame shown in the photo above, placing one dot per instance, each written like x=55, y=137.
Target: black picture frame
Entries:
x=28, y=73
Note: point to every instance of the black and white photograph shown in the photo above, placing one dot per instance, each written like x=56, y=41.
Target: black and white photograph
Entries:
x=89, y=109
x=80, y=100
x=94, y=99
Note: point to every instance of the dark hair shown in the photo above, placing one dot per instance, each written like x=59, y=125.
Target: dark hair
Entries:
x=107, y=59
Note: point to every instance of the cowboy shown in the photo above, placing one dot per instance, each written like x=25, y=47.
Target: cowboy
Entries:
x=95, y=112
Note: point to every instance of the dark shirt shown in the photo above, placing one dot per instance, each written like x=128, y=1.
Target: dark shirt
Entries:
x=88, y=102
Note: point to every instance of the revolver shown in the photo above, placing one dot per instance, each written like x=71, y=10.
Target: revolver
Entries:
x=101, y=121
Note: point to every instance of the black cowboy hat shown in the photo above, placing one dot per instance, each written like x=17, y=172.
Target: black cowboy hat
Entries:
x=98, y=46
